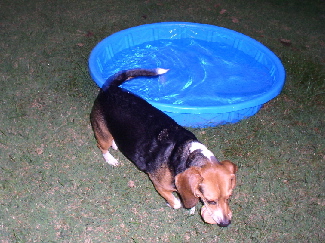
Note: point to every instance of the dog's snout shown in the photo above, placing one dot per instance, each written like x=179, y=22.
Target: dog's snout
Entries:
x=224, y=223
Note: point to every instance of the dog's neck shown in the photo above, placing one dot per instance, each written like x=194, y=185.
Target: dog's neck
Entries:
x=193, y=154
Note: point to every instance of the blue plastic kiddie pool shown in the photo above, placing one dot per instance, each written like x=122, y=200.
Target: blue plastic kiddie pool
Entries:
x=215, y=76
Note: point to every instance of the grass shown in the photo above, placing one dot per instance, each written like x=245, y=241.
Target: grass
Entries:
x=54, y=184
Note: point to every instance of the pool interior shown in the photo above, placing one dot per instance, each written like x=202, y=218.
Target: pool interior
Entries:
x=201, y=73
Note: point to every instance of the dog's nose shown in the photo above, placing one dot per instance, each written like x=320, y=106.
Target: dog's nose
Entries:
x=224, y=223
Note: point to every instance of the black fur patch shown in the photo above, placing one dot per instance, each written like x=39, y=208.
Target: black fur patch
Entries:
x=144, y=134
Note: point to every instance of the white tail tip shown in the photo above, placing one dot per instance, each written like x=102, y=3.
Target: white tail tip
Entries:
x=161, y=71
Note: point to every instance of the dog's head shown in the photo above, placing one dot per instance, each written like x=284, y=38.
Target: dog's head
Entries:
x=213, y=184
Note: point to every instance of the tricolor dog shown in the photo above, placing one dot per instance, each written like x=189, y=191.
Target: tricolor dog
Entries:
x=173, y=158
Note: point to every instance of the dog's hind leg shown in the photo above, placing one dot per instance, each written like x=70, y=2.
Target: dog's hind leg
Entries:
x=110, y=159
x=103, y=136
x=104, y=145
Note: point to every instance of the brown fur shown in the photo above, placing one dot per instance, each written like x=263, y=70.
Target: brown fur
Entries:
x=213, y=183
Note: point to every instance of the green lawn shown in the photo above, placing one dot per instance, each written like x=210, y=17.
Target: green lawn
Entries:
x=54, y=183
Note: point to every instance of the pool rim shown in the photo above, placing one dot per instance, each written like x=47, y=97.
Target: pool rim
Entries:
x=174, y=108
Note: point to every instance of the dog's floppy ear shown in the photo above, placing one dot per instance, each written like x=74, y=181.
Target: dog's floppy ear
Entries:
x=233, y=169
x=187, y=184
x=230, y=166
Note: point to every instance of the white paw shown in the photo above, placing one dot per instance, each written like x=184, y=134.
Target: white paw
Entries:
x=114, y=146
x=192, y=211
x=177, y=203
x=110, y=159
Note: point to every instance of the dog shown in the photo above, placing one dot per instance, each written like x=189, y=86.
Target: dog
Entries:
x=172, y=156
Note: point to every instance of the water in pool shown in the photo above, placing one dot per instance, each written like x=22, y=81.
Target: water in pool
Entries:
x=201, y=73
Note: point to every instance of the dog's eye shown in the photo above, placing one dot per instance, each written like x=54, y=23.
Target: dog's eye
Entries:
x=212, y=202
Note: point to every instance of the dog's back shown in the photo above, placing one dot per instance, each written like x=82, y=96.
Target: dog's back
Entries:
x=144, y=134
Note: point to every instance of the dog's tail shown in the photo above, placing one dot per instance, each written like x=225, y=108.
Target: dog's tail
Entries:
x=124, y=76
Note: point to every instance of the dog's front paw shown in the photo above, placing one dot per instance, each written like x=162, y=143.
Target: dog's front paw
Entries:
x=192, y=211
x=176, y=204
x=114, y=146
x=113, y=162
x=110, y=159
